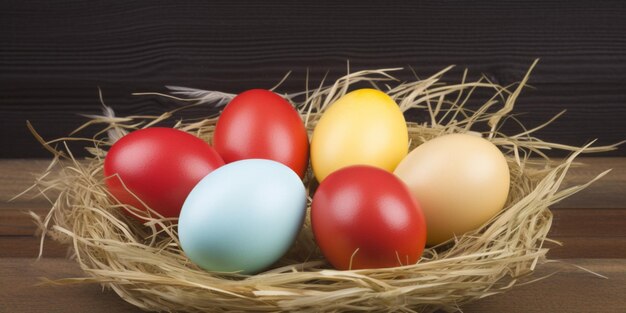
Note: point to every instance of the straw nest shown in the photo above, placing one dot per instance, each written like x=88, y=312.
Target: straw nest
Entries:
x=145, y=266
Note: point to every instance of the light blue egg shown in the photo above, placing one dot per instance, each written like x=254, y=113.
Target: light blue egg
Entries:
x=243, y=216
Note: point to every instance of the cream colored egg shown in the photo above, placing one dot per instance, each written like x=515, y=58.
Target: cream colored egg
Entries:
x=460, y=180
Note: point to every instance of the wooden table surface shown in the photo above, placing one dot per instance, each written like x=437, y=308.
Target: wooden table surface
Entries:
x=591, y=225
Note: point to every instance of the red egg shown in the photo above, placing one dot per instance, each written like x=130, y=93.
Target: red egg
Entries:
x=259, y=124
x=365, y=217
x=158, y=165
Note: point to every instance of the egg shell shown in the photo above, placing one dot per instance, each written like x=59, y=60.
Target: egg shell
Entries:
x=364, y=127
x=259, y=124
x=158, y=166
x=365, y=217
x=243, y=216
x=460, y=180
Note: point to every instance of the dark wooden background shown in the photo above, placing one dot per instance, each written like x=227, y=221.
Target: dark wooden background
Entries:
x=55, y=54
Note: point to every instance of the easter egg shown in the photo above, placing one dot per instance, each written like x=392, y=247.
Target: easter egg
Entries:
x=243, y=216
x=460, y=180
x=365, y=217
x=363, y=127
x=259, y=124
x=157, y=167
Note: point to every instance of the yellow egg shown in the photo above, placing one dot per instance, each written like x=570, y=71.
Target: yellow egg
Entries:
x=363, y=127
x=460, y=180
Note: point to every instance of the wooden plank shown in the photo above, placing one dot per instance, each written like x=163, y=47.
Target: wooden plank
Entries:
x=18, y=174
x=567, y=222
x=28, y=247
x=595, y=231
x=609, y=192
x=588, y=223
x=572, y=247
x=569, y=290
x=18, y=223
x=598, y=233
x=20, y=292
x=54, y=56
x=593, y=234
x=588, y=247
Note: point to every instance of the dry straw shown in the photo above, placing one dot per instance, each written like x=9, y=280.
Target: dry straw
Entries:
x=144, y=265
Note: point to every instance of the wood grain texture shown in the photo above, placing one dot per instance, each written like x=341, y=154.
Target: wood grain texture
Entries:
x=591, y=224
x=18, y=174
x=54, y=55
x=601, y=235
x=581, y=247
x=569, y=290
x=609, y=192
x=28, y=247
x=20, y=290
